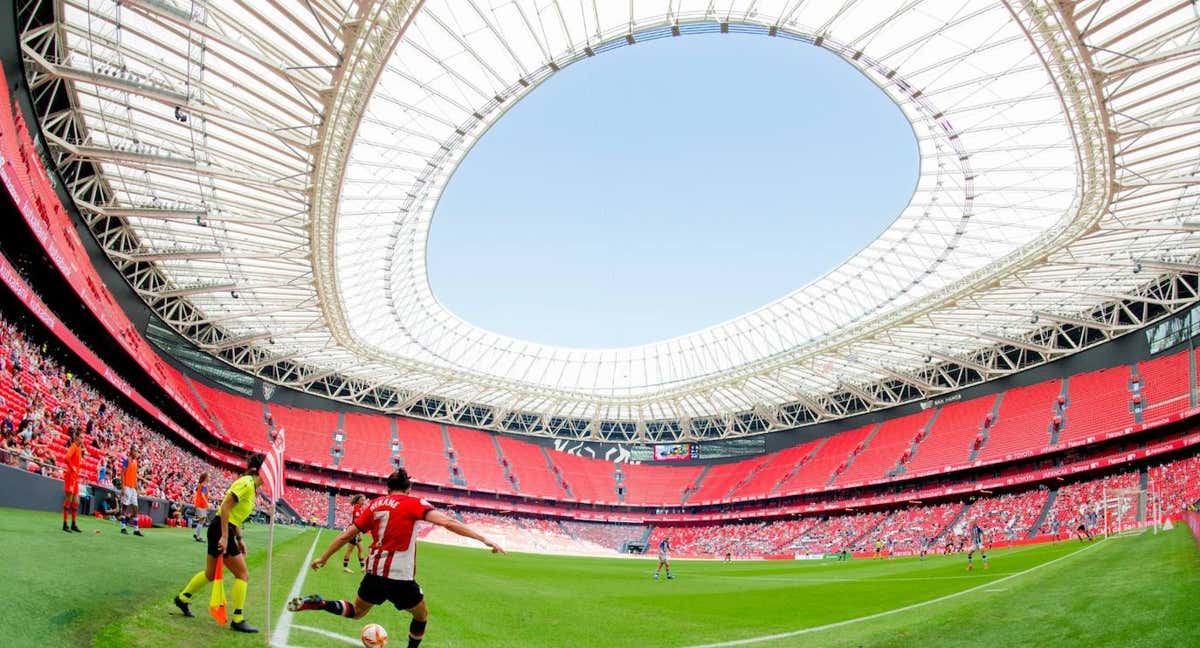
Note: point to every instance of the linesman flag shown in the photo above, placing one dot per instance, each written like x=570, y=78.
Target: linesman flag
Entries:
x=216, y=602
x=272, y=469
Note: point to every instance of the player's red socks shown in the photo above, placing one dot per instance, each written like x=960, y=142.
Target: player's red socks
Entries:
x=416, y=632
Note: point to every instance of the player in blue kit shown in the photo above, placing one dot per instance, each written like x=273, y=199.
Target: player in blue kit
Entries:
x=664, y=546
x=976, y=545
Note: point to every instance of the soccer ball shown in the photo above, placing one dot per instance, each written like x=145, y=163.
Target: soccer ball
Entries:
x=374, y=636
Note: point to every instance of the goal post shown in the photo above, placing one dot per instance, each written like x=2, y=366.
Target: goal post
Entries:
x=1128, y=510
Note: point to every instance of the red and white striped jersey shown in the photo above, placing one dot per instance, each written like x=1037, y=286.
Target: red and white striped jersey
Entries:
x=391, y=520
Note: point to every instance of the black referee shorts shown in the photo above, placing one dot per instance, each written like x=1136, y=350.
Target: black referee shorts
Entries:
x=214, y=536
x=404, y=594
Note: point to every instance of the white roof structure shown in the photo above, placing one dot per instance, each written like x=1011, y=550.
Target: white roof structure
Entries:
x=265, y=175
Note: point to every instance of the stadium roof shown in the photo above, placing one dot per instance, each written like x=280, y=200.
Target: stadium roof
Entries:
x=264, y=174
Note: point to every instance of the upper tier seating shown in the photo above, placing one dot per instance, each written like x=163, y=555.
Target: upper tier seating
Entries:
x=882, y=453
x=367, y=446
x=308, y=433
x=528, y=465
x=1098, y=402
x=650, y=484
x=952, y=434
x=1164, y=383
x=479, y=461
x=424, y=451
x=1023, y=421
x=589, y=480
x=831, y=456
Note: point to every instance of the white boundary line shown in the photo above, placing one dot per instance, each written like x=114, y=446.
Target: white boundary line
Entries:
x=877, y=615
x=284, y=626
x=327, y=633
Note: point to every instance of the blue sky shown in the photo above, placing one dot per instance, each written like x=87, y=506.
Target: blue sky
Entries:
x=668, y=186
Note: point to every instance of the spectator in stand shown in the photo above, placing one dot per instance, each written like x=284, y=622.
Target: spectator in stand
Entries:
x=8, y=424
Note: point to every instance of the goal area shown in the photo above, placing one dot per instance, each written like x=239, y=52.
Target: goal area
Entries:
x=1130, y=510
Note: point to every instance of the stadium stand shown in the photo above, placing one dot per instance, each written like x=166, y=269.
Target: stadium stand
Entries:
x=479, y=461
x=367, y=448
x=239, y=418
x=1163, y=385
x=530, y=468
x=1010, y=516
x=951, y=435
x=779, y=467
x=39, y=400
x=309, y=432
x=704, y=541
x=612, y=536
x=1073, y=502
x=1022, y=423
x=424, y=451
x=719, y=482
x=886, y=449
x=587, y=479
x=1098, y=401
x=832, y=457
x=651, y=485
x=1178, y=483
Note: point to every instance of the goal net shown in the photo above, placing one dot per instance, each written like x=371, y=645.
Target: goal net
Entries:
x=1129, y=510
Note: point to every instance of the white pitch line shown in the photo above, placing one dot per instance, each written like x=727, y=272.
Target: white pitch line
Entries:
x=331, y=635
x=283, y=626
x=878, y=615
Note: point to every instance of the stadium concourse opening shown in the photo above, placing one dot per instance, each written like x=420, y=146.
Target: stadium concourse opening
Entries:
x=679, y=184
x=983, y=429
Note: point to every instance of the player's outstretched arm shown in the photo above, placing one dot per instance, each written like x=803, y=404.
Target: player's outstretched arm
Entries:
x=337, y=543
x=443, y=520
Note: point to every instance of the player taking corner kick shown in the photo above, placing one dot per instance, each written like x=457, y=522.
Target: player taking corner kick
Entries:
x=391, y=560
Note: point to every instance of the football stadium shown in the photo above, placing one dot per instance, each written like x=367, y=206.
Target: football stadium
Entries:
x=669, y=323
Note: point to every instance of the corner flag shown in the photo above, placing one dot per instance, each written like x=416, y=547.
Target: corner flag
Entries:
x=274, y=480
x=272, y=470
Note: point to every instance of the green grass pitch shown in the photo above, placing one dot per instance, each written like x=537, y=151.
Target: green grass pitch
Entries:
x=108, y=590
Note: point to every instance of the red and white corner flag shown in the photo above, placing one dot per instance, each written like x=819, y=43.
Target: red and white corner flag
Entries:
x=272, y=470
x=273, y=482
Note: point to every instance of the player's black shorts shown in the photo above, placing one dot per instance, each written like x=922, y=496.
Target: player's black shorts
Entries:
x=403, y=594
x=354, y=540
x=214, y=536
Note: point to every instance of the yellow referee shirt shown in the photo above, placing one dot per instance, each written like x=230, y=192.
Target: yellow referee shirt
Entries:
x=243, y=488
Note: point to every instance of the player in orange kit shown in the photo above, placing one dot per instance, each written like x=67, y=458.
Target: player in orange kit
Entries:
x=73, y=463
x=129, y=495
x=200, y=503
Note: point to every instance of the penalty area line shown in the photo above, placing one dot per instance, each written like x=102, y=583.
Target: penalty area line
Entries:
x=283, y=626
x=879, y=615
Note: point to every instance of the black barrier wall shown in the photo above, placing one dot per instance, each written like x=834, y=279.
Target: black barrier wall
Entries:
x=26, y=490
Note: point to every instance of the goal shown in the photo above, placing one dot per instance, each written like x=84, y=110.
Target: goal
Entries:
x=1130, y=510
